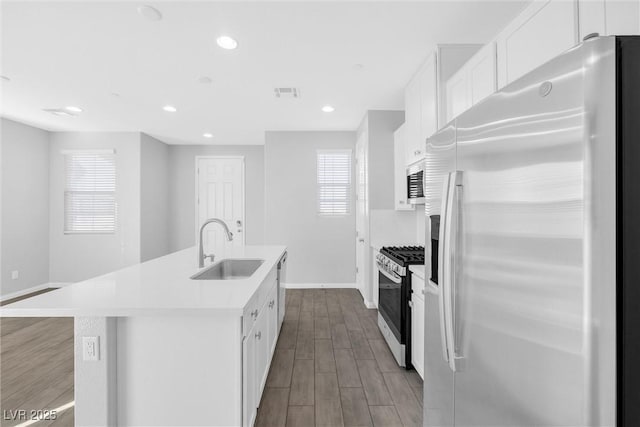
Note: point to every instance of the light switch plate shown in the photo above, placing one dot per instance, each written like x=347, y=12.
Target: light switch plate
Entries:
x=15, y=274
x=91, y=349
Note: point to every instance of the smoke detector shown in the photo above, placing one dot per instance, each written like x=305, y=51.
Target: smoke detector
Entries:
x=287, y=92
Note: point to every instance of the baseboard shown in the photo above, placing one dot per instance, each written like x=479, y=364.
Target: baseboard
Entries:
x=369, y=304
x=32, y=289
x=319, y=285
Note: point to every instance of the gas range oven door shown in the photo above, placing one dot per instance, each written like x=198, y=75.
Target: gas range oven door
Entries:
x=392, y=312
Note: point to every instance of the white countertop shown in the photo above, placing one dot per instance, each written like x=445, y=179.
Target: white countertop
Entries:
x=418, y=270
x=158, y=287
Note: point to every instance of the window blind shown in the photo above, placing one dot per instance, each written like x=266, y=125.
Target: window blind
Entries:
x=334, y=182
x=90, y=192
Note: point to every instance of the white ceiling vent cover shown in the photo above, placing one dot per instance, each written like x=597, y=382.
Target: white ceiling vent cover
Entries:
x=287, y=92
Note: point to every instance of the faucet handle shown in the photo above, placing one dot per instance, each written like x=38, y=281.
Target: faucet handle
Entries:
x=211, y=257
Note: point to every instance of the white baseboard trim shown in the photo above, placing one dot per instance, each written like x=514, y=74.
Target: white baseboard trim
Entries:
x=32, y=289
x=369, y=304
x=319, y=285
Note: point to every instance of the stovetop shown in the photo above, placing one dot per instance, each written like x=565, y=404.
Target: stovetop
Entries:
x=404, y=255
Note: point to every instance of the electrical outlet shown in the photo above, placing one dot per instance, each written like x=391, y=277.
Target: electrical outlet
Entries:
x=90, y=349
x=15, y=274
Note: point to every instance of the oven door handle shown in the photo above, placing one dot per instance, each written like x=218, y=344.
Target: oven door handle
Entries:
x=390, y=276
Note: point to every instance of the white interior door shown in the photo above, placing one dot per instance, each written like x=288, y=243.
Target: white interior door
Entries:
x=220, y=195
x=361, y=215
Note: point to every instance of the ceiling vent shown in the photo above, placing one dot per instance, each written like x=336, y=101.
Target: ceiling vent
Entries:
x=287, y=92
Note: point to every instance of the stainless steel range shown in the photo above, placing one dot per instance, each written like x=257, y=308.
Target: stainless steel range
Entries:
x=394, y=317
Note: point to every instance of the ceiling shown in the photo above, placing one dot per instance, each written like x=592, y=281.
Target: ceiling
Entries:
x=121, y=68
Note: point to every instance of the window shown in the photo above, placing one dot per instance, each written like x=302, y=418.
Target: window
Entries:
x=334, y=182
x=90, y=191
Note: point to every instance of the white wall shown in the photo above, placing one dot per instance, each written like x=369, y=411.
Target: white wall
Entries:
x=321, y=249
x=25, y=206
x=154, y=198
x=76, y=257
x=182, y=170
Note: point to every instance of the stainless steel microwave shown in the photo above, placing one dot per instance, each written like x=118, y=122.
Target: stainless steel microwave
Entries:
x=415, y=183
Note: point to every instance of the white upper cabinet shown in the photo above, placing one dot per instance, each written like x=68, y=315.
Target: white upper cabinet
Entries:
x=421, y=104
x=482, y=73
x=457, y=94
x=542, y=31
x=425, y=95
x=428, y=103
x=609, y=17
x=412, y=119
x=473, y=82
x=400, y=169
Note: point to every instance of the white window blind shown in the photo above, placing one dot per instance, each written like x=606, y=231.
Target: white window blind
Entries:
x=90, y=191
x=334, y=182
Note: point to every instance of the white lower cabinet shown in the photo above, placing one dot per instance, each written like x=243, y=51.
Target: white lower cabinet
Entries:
x=249, y=380
x=257, y=351
x=417, y=324
x=272, y=320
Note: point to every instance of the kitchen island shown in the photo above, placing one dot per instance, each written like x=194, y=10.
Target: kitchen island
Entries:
x=155, y=347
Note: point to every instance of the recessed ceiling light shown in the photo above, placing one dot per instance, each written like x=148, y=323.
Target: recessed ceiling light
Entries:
x=205, y=80
x=328, y=109
x=207, y=135
x=5, y=78
x=170, y=108
x=59, y=112
x=227, y=42
x=150, y=13
x=73, y=109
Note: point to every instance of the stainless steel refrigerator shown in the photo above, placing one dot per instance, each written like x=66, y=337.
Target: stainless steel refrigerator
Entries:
x=535, y=316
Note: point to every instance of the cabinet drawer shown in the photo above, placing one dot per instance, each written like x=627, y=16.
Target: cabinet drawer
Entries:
x=249, y=315
x=257, y=301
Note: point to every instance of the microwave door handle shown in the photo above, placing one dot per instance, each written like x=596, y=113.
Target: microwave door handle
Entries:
x=442, y=270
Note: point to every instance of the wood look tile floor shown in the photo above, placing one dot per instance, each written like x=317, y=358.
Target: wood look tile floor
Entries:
x=36, y=366
x=333, y=368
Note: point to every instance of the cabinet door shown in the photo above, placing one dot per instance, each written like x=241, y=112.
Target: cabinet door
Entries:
x=400, y=170
x=417, y=330
x=482, y=74
x=457, y=94
x=609, y=17
x=622, y=17
x=272, y=314
x=412, y=119
x=261, y=335
x=428, y=103
x=542, y=31
x=249, y=380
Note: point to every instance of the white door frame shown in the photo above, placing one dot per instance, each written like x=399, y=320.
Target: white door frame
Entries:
x=197, y=195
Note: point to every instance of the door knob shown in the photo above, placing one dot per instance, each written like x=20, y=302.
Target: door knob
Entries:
x=361, y=240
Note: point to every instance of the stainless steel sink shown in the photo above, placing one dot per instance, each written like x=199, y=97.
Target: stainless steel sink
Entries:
x=229, y=269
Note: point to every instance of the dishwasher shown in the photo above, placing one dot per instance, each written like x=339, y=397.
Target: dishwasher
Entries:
x=282, y=280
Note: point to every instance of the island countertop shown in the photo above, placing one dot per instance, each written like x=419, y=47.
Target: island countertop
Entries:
x=162, y=286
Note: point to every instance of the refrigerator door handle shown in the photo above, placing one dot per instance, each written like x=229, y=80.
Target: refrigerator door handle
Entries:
x=442, y=270
x=449, y=263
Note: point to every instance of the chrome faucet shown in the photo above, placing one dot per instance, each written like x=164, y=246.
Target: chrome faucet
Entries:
x=201, y=255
